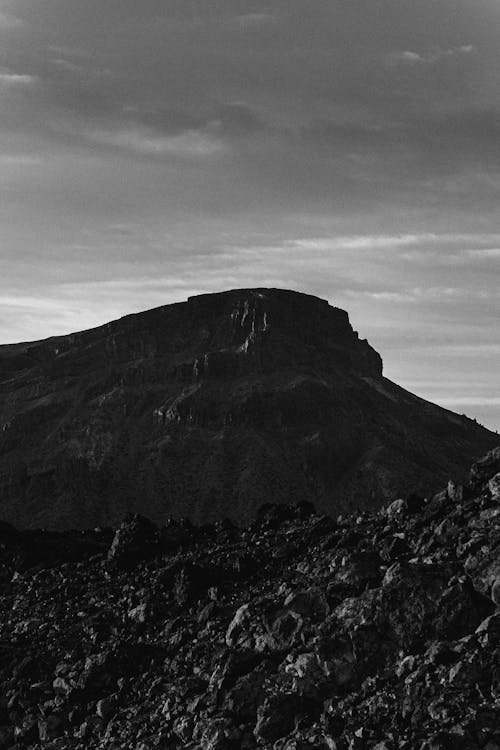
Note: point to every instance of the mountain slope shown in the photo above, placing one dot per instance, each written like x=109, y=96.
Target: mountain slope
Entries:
x=210, y=407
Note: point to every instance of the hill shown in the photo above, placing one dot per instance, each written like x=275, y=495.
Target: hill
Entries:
x=210, y=407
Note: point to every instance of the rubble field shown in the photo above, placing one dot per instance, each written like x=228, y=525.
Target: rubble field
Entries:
x=377, y=630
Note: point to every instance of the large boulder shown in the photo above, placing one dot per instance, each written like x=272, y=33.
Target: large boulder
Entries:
x=136, y=539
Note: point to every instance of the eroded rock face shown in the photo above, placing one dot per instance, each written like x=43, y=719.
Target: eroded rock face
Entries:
x=206, y=409
x=172, y=637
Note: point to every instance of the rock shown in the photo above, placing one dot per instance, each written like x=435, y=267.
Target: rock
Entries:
x=247, y=693
x=238, y=624
x=495, y=592
x=63, y=686
x=308, y=676
x=106, y=706
x=6, y=737
x=276, y=717
x=367, y=632
x=394, y=549
x=27, y=732
x=229, y=667
x=397, y=509
x=337, y=659
x=191, y=582
x=50, y=727
x=455, y=492
x=360, y=569
x=483, y=567
x=176, y=533
x=140, y=613
x=137, y=539
x=490, y=626
x=460, y=610
x=207, y=613
x=183, y=728
x=309, y=603
x=487, y=467
x=218, y=734
x=91, y=726
x=494, y=487
x=284, y=630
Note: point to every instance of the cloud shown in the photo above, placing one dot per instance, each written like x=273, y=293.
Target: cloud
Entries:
x=418, y=294
x=9, y=22
x=22, y=160
x=141, y=283
x=153, y=130
x=192, y=143
x=29, y=302
x=461, y=349
x=237, y=119
x=435, y=55
x=414, y=149
x=470, y=401
x=251, y=20
x=410, y=57
x=364, y=242
x=482, y=254
x=9, y=79
x=228, y=119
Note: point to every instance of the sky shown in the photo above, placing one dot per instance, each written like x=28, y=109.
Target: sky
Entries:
x=345, y=148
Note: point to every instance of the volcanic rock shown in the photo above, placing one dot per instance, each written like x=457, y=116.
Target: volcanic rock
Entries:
x=147, y=644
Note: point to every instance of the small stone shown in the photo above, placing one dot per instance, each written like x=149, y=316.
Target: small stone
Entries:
x=396, y=509
x=241, y=617
x=50, y=727
x=494, y=487
x=495, y=592
x=276, y=717
x=139, y=614
x=183, y=728
x=455, y=492
x=106, y=707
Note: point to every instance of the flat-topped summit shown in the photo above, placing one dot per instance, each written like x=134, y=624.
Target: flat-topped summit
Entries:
x=279, y=315
x=210, y=407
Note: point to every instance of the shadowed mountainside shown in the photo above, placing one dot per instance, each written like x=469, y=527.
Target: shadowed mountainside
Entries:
x=210, y=407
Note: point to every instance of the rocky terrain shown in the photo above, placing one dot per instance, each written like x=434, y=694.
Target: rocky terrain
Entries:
x=378, y=630
x=207, y=408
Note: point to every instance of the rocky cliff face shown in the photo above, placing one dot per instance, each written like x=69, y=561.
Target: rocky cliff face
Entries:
x=377, y=631
x=208, y=408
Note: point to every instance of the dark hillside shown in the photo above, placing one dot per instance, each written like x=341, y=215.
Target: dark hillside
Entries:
x=208, y=408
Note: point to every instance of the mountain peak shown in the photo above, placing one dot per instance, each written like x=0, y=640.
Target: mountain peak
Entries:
x=281, y=327
x=208, y=408
x=263, y=293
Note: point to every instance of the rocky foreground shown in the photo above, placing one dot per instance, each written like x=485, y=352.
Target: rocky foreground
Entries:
x=378, y=630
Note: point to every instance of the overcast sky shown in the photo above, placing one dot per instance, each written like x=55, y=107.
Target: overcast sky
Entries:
x=154, y=149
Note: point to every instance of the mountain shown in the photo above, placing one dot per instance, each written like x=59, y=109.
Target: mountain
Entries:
x=210, y=407
x=377, y=631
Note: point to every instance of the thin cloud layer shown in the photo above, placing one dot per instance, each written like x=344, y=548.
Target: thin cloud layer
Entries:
x=153, y=150
x=435, y=55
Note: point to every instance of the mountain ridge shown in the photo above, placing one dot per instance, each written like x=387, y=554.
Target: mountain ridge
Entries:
x=207, y=407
